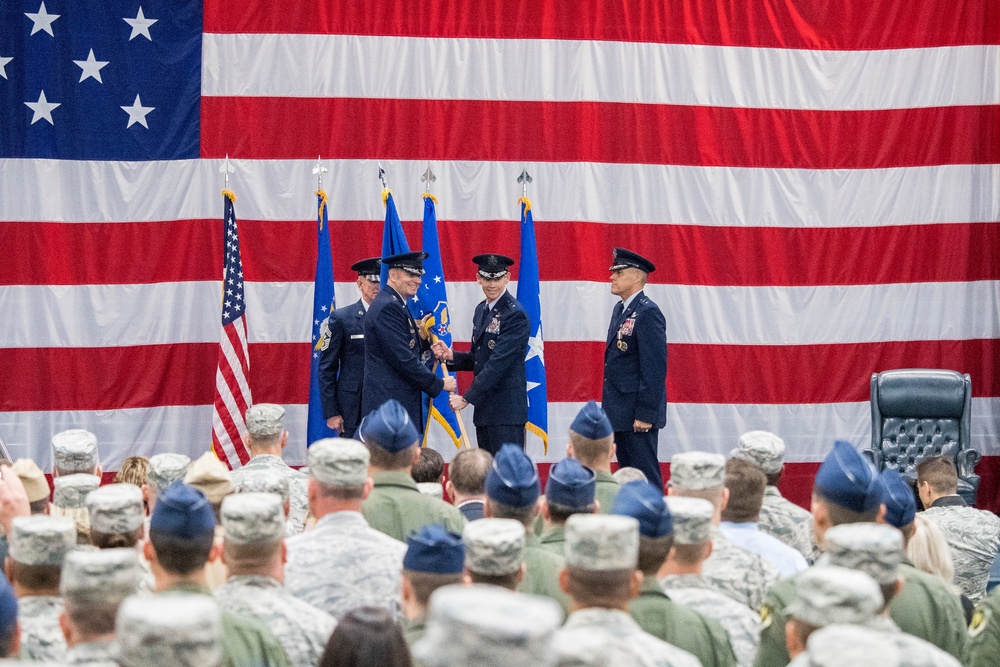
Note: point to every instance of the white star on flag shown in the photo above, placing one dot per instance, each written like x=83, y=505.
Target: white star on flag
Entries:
x=437, y=279
x=140, y=25
x=42, y=20
x=91, y=67
x=535, y=348
x=137, y=114
x=42, y=108
x=3, y=66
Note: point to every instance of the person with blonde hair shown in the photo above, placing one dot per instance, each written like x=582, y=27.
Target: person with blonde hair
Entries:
x=133, y=471
x=929, y=552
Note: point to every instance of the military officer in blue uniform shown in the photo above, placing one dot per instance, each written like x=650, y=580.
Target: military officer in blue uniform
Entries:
x=500, y=331
x=342, y=356
x=396, y=352
x=635, y=367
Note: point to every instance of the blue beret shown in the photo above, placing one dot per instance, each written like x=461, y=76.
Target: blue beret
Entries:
x=388, y=426
x=845, y=478
x=897, y=496
x=570, y=484
x=644, y=502
x=513, y=480
x=8, y=607
x=591, y=422
x=182, y=511
x=434, y=549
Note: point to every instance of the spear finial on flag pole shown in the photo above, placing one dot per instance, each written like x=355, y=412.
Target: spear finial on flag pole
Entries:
x=381, y=176
x=319, y=170
x=227, y=168
x=524, y=179
x=428, y=178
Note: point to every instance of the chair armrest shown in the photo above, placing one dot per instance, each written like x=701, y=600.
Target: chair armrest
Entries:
x=874, y=455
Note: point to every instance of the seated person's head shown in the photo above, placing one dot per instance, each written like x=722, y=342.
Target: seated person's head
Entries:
x=826, y=595
x=512, y=486
x=699, y=475
x=93, y=586
x=936, y=477
x=494, y=552
x=692, y=530
x=75, y=451
x=467, y=474
x=181, y=531
x=435, y=557
x=745, y=483
x=570, y=490
x=429, y=468
x=846, y=490
x=601, y=556
x=591, y=440
x=38, y=545
x=338, y=475
x=644, y=502
x=133, y=471
x=116, y=515
x=391, y=437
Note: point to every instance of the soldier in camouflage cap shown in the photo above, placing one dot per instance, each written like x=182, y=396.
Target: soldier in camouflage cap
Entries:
x=266, y=438
x=254, y=548
x=339, y=462
x=176, y=630
x=270, y=481
x=487, y=625
x=94, y=584
x=116, y=510
x=682, y=580
x=875, y=549
x=601, y=577
x=164, y=470
x=71, y=490
x=732, y=570
x=764, y=449
x=38, y=545
x=75, y=451
x=830, y=594
x=494, y=552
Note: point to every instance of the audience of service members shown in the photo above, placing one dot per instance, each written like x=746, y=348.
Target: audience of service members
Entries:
x=375, y=554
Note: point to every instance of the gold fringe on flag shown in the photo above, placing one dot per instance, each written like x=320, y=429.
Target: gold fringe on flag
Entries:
x=322, y=204
x=526, y=202
x=230, y=194
x=385, y=195
x=428, y=195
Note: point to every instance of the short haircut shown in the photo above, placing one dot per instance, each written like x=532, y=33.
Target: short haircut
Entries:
x=560, y=513
x=386, y=460
x=468, y=471
x=746, y=484
x=249, y=558
x=653, y=551
x=690, y=554
x=35, y=577
x=523, y=514
x=39, y=506
x=600, y=589
x=940, y=473
x=840, y=515
x=178, y=555
x=425, y=583
x=713, y=496
x=258, y=442
x=591, y=452
x=509, y=581
x=339, y=492
x=61, y=472
x=133, y=471
x=92, y=618
x=116, y=540
x=429, y=467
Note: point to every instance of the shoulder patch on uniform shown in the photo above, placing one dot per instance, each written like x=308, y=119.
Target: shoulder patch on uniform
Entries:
x=766, y=616
x=980, y=619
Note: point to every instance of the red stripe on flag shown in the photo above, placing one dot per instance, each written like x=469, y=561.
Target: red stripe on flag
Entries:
x=684, y=254
x=845, y=24
x=510, y=131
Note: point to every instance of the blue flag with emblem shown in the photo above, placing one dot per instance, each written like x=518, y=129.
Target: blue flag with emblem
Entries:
x=393, y=238
x=323, y=305
x=529, y=294
x=432, y=299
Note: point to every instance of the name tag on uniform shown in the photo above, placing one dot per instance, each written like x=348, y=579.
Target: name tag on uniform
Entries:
x=357, y=336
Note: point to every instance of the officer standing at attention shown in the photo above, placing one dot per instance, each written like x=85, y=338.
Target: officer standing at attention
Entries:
x=342, y=355
x=500, y=333
x=394, y=347
x=635, y=367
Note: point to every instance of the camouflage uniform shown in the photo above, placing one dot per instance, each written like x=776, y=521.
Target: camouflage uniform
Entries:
x=973, y=536
x=298, y=494
x=97, y=654
x=605, y=490
x=984, y=632
x=179, y=630
x=302, y=629
x=738, y=620
x=598, y=636
x=786, y=521
x=343, y=563
x=913, y=651
x=41, y=637
x=741, y=575
x=396, y=507
x=681, y=626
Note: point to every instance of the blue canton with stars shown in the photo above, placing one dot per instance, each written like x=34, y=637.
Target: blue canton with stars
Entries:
x=233, y=306
x=100, y=79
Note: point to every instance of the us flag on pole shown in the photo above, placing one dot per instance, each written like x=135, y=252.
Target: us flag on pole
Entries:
x=232, y=391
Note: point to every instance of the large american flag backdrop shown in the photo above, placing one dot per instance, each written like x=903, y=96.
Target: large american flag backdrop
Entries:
x=818, y=184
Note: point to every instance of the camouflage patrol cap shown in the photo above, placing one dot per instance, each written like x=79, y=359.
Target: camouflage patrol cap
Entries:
x=339, y=462
x=115, y=508
x=177, y=629
x=32, y=478
x=210, y=476
x=165, y=469
x=41, y=539
x=695, y=471
x=71, y=490
x=692, y=519
x=762, y=448
x=488, y=625
x=253, y=518
x=102, y=575
x=602, y=542
x=494, y=547
x=262, y=480
x=851, y=646
x=75, y=450
x=875, y=549
x=828, y=594
x=431, y=489
x=264, y=419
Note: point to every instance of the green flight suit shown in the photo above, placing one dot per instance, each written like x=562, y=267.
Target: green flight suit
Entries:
x=414, y=630
x=924, y=608
x=605, y=490
x=681, y=626
x=397, y=508
x=984, y=632
x=541, y=575
x=246, y=642
x=554, y=540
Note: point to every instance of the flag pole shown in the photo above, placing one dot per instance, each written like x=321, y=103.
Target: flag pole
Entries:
x=524, y=179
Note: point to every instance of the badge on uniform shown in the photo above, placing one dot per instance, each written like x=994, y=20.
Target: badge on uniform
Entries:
x=979, y=622
x=492, y=344
x=494, y=327
x=622, y=345
x=627, y=327
x=413, y=343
